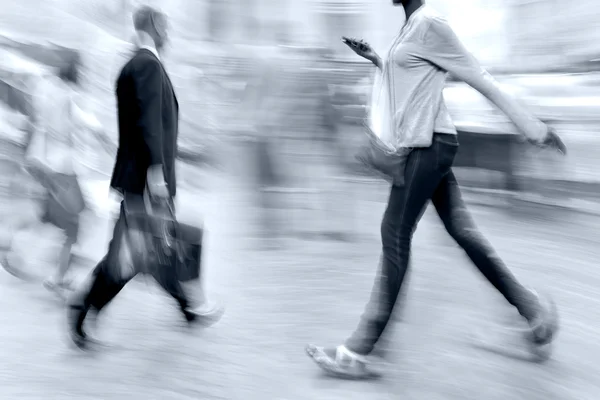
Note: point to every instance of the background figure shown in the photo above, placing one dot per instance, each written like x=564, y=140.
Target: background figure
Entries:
x=326, y=139
x=50, y=160
x=267, y=102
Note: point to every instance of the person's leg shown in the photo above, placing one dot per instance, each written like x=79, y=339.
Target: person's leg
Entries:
x=270, y=196
x=101, y=287
x=453, y=212
x=201, y=312
x=64, y=260
x=166, y=277
x=405, y=208
x=392, y=269
x=70, y=225
x=100, y=290
x=193, y=277
x=57, y=281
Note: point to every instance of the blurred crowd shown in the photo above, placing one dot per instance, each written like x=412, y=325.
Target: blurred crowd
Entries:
x=269, y=85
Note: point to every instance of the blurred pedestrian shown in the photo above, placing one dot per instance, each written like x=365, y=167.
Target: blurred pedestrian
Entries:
x=148, y=114
x=268, y=101
x=417, y=143
x=329, y=145
x=50, y=160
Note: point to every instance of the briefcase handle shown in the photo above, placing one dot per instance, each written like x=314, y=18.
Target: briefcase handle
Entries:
x=163, y=211
x=169, y=222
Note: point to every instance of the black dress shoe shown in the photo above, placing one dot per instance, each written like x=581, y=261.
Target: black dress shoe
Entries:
x=204, y=316
x=75, y=317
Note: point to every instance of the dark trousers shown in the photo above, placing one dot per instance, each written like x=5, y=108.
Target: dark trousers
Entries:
x=429, y=176
x=105, y=284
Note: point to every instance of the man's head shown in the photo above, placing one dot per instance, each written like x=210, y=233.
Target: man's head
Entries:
x=402, y=2
x=150, y=25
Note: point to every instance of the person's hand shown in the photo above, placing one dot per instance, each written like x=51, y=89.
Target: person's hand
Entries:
x=361, y=48
x=554, y=142
x=157, y=185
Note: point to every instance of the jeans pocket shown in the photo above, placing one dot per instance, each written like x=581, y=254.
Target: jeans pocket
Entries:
x=446, y=147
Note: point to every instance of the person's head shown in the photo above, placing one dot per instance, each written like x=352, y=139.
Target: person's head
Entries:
x=405, y=2
x=69, y=71
x=150, y=27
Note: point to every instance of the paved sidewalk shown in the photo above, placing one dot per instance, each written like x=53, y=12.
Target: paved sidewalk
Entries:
x=314, y=291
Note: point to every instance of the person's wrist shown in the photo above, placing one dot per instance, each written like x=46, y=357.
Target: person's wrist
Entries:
x=542, y=135
x=547, y=136
x=376, y=60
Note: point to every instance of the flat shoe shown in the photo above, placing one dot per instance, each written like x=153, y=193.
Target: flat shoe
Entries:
x=338, y=365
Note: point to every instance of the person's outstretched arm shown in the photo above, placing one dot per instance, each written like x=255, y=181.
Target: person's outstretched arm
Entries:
x=444, y=49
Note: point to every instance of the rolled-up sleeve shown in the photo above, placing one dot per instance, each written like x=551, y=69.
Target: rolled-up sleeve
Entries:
x=444, y=49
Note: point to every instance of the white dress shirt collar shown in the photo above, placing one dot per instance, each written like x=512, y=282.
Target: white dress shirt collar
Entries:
x=151, y=49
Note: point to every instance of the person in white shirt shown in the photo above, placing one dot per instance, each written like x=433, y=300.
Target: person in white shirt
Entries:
x=411, y=123
x=53, y=158
x=49, y=159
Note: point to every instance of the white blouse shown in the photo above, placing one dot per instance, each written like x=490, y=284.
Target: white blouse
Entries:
x=54, y=106
x=408, y=104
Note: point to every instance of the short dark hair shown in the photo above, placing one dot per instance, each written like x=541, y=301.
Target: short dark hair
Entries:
x=69, y=70
x=145, y=18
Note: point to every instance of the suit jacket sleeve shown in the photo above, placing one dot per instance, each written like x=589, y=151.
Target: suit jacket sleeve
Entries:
x=148, y=91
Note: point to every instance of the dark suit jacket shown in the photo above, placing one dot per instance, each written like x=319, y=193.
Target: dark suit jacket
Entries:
x=148, y=124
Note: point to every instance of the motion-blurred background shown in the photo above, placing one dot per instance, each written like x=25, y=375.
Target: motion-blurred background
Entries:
x=545, y=52
x=536, y=205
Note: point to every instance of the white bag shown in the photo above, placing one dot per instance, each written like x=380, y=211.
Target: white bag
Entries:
x=39, y=261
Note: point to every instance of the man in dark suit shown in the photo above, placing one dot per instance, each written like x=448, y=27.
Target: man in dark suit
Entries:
x=148, y=115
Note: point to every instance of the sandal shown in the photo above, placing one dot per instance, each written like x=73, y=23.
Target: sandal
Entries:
x=341, y=363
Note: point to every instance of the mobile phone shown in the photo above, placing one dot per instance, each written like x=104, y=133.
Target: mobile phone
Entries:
x=355, y=43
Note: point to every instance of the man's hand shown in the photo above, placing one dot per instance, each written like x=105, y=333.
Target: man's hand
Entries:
x=363, y=49
x=157, y=185
x=553, y=141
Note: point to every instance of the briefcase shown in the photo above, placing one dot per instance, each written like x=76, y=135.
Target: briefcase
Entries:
x=189, y=263
x=156, y=240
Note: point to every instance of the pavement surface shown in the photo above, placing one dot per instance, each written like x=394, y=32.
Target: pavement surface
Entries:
x=313, y=290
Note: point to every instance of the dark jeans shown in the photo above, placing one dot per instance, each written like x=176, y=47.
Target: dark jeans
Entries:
x=105, y=285
x=429, y=176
